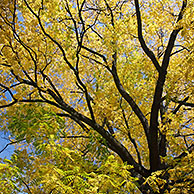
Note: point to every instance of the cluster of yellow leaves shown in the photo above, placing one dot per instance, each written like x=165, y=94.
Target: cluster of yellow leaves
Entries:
x=29, y=51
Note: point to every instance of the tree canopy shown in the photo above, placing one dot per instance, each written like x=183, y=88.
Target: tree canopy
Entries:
x=97, y=96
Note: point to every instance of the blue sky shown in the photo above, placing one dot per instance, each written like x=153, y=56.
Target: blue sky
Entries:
x=3, y=142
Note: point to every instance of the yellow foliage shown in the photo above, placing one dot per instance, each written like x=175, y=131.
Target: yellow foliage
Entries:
x=97, y=96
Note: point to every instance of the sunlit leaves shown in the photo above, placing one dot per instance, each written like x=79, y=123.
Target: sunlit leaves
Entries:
x=57, y=85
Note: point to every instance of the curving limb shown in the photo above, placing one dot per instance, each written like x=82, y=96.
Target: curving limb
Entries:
x=145, y=48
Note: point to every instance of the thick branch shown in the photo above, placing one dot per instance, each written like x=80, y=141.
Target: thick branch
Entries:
x=145, y=48
x=153, y=135
x=114, y=145
x=172, y=39
x=128, y=98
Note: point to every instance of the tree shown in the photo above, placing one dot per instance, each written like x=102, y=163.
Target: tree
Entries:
x=97, y=96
